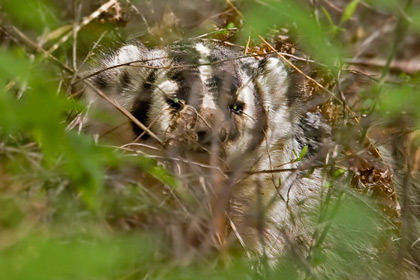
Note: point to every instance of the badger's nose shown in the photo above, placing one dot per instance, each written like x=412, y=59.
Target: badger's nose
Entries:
x=209, y=128
x=205, y=137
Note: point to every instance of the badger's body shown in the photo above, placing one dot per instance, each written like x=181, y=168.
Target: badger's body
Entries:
x=211, y=105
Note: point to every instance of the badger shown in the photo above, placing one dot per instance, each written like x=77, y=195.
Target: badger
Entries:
x=231, y=120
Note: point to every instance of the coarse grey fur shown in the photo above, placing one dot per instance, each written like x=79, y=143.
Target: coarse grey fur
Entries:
x=210, y=104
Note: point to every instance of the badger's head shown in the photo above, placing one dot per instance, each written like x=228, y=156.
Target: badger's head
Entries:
x=201, y=97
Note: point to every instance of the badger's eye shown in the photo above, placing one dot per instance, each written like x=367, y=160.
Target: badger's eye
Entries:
x=237, y=108
x=175, y=102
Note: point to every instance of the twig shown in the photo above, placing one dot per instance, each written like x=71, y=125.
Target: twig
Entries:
x=410, y=67
x=76, y=28
x=235, y=8
x=334, y=7
x=84, y=22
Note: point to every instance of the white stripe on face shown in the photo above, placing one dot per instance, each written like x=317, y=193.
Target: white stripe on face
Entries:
x=159, y=112
x=208, y=102
x=168, y=87
x=246, y=94
x=206, y=74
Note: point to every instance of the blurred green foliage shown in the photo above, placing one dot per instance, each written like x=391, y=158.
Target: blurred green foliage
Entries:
x=87, y=257
x=312, y=34
x=33, y=107
x=33, y=15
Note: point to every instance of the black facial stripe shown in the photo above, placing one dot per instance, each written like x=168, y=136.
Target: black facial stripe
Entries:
x=183, y=54
x=150, y=80
x=234, y=85
x=295, y=91
x=187, y=59
x=262, y=63
x=214, y=82
x=249, y=70
x=139, y=111
x=100, y=81
x=260, y=128
x=224, y=85
x=124, y=80
x=141, y=105
x=312, y=129
x=183, y=79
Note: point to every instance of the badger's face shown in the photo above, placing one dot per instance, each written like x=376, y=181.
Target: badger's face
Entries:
x=200, y=97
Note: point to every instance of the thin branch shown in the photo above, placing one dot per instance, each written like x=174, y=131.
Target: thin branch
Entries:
x=84, y=22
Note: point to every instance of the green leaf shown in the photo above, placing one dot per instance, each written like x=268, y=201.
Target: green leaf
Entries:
x=320, y=257
x=309, y=172
x=302, y=154
x=164, y=176
x=230, y=25
x=328, y=16
x=35, y=15
x=349, y=11
x=338, y=173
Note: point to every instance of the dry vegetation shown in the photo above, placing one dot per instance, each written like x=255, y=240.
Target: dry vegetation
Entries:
x=68, y=209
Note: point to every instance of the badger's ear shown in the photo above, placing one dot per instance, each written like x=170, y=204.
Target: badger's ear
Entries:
x=273, y=81
x=126, y=54
x=281, y=84
x=138, y=44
